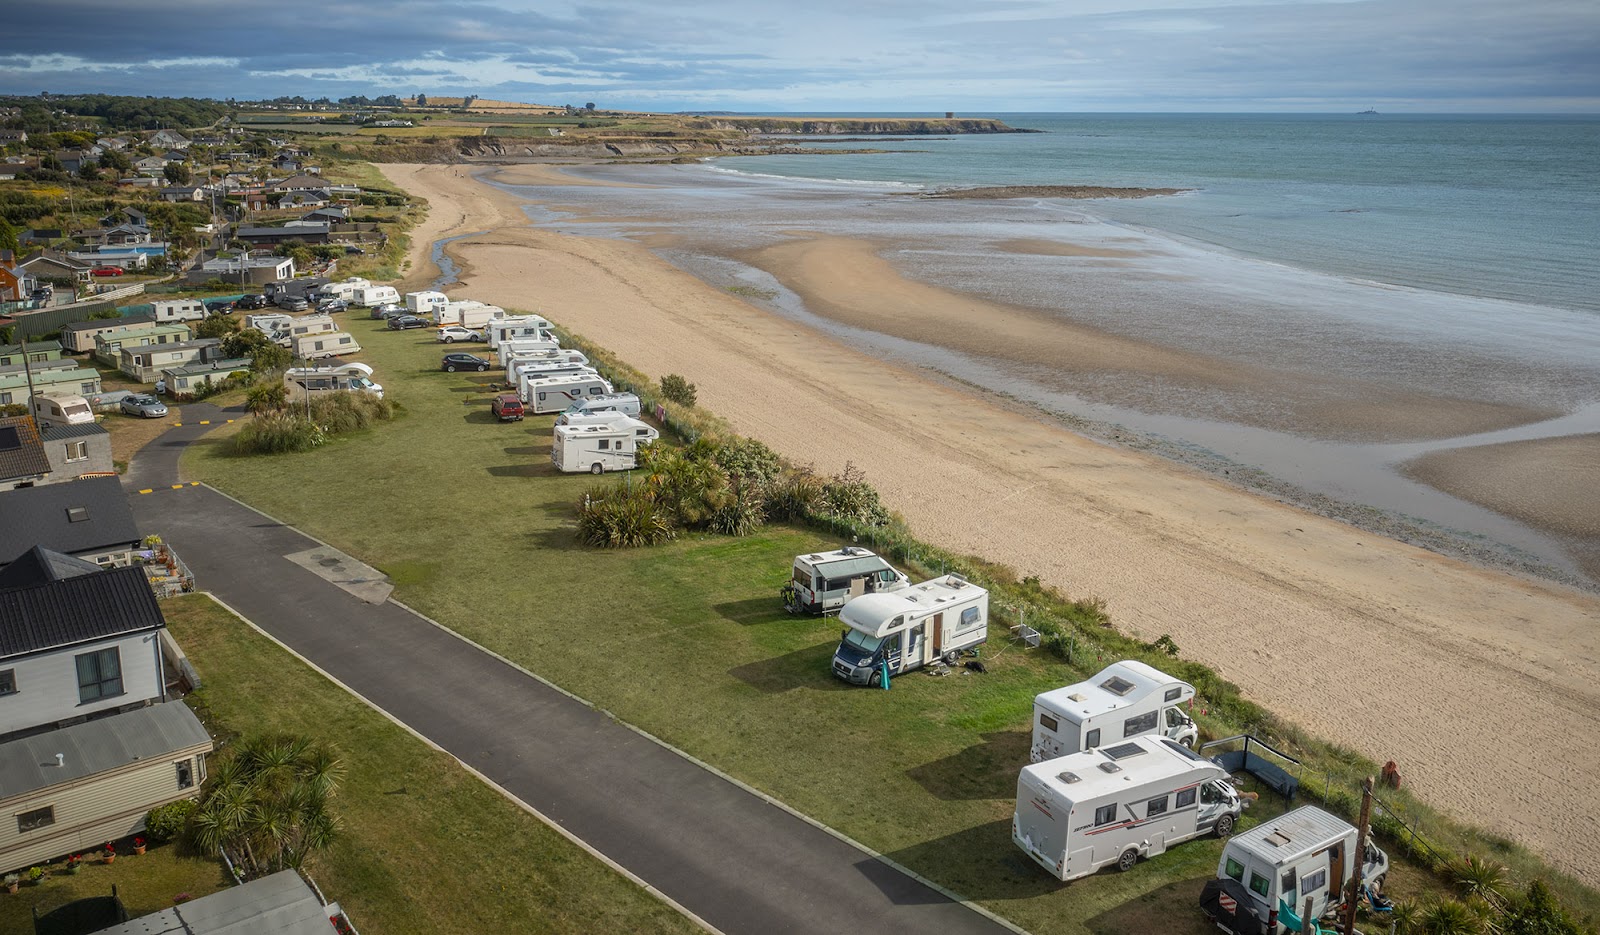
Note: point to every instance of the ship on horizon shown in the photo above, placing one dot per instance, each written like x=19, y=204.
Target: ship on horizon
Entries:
x=1369, y=110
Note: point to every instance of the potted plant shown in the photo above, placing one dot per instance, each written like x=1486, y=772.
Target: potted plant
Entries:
x=110, y=852
x=35, y=875
x=138, y=846
x=73, y=862
x=12, y=881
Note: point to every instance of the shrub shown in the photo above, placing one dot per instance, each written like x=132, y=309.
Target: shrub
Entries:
x=278, y=433
x=266, y=397
x=166, y=822
x=745, y=459
x=740, y=516
x=794, y=496
x=346, y=412
x=848, y=496
x=678, y=390
x=621, y=517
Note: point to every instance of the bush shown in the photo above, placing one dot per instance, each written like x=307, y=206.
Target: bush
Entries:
x=621, y=517
x=166, y=822
x=848, y=496
x=347, y=412
x=794, y=496
x=678, y=390
x=266, y=397
x=278, y=433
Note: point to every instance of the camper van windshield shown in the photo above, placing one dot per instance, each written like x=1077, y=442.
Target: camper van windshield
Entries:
x=858, y=640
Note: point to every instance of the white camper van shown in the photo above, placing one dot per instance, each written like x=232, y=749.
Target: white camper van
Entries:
x=426, y=304
x=519, y=328
x=1124, y=700
x=625, y=403
x=822, y=582
x=910, y=628
x=607, y=446
x=520, y=353
x=170, y=310
x=554, y=393
x=269, y=323
x=1272, y=869
x=324, y=344
x=373, y=296
x=509, y=349
x=313, y=381
x=1116, y=804
x=52, y=411
x=521, y=369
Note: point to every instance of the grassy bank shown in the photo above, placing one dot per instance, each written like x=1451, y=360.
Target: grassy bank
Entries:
x=423, y=846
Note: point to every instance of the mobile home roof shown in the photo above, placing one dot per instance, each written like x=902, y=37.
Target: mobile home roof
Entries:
x=1088, y=698
x=1289, y=837
x=1150, y=758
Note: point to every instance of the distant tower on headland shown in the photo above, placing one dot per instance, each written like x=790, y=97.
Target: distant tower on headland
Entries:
x=949, y=115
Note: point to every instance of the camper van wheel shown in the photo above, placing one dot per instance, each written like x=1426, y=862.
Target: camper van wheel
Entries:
x=951, y=657
x=595, y=468
x=450, y=368
x=1224, y=826
x=1128, y=859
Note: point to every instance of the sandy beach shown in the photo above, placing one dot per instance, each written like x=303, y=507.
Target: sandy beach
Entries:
x=1380, y=646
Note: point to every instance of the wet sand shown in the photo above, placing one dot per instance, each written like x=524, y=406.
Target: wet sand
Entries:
x=1377, y=645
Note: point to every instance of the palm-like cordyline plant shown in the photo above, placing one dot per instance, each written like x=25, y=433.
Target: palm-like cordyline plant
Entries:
x=266, y=803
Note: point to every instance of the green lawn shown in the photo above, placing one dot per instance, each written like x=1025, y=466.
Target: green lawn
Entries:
x=424, y=846
x=146, y=883
x=689, y=642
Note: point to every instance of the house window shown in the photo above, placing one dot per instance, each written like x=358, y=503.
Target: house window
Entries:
x=1142, y=724
x=99, y=675
x=8, y=681
x=1048, y=722
x=36, y=819
x=1156, y=807
x=185, y=774
x=1091, y=739
x=86, y=389
x=1105, y=815
x=5, y=399
x=1185, y=799
x=77, y=451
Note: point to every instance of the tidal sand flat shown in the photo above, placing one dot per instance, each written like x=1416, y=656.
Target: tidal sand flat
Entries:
x=1367, y=641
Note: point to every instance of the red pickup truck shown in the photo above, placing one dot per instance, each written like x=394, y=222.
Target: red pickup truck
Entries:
x=507, y=407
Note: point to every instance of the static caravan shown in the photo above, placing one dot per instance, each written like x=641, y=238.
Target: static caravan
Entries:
x=824, y=581
x=898, y=631
x=324, y=344
x=373, y=296
x=1268, y=872
x=314, y=381
x=426, y=304
x=170, y=310
x=469, y=313
x=611, y=446
x=517, y=328
x=1113, y=805
x=625, y=403
x=1124, y=700
x=555, y=393
x=54, y=411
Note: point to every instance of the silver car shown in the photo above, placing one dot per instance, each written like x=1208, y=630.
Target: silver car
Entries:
x=452, y=333
x=144, y=405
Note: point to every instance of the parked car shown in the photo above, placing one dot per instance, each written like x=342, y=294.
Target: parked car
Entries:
x=292, y=303
x=454, y=362
x=454, y=333
x=144, y=405
x=352, y=250
x=108, y=271
x=402, y=322
x=332, y=305
x=251, y=302
x=507, y=407
x=389, y=310
x=218, y=307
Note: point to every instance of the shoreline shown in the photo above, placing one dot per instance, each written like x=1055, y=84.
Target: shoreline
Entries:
x=1253, y=587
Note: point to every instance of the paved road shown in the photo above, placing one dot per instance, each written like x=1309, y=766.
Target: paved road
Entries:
x=742, y=865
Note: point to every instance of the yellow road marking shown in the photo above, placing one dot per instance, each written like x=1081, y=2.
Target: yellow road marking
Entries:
x=230, y=421
x=205, y=421
x=177, y=423
x=148, y=490
x=194, y=483
x=177, y=486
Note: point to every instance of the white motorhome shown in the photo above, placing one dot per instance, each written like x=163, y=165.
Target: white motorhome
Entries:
x=1113, y=805
x=508, y=350
x=373, y=296
x=324, y=344
x=268, y=323
x=606, y=446
x=50, y=411
x=625, y=403
x=313, y=381
x=171, y=310
x=821, y=582
x=426, y=304
x=901, y=630
x=469, y=313
x=1272, y=869
x=519, y=328
x=556, y=392
x=1124, y=700
x=346, y=289
x=520, y=368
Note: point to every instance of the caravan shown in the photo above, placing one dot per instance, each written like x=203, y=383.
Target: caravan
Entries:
x=324, y=344
x=823, y=581
x=1269, y=872
x=519, y=328
x=1113, y=805
x=345, y=289
x=426, y=304
x=373, y=296
x=1124, y=700
x=521, y=368
x=510, y=349
x=555, y=392
x=469, y=313
x=891, y=633
x=52, y=411
x=605, y=403
x=607, y=446
x=170, y=310
x=314, y=381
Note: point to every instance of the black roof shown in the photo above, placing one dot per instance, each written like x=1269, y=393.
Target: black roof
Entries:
x=39, y=565
x=81, y=430
x=77, y=610
x=77, y=516
x=21, y=452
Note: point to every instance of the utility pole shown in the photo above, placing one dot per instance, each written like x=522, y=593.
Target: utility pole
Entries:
x=1353, y=897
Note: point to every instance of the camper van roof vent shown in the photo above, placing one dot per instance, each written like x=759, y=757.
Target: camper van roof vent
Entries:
x=1123, y=751
x=848, y=550
x=1077, y=696
x=1277, y=838
x=1068, y=776
x=1117, y=685
x=1110, y=767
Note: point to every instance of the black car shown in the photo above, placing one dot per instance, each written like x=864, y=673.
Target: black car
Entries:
x=250, y=302
x=402, y=322
x=218, y=307
x=454, y=362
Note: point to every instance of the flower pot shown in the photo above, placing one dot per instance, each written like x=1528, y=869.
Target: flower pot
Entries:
x=12, y=887
x=139, y=849
x=111, y=858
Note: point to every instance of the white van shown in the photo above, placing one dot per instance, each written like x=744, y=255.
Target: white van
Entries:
x=519, y=328
x=1125, y=699
x=606, y=446
x=822, y=582
x=555, y=392
x=625, y=403
x=1271, y=870
x=313, y=381
x=1113, y=805
x=51, y=411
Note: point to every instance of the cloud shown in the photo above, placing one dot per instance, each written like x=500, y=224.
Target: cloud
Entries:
x=859, y=55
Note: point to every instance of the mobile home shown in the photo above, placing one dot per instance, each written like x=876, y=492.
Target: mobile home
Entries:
x=822, y=582
x=313, y=381
x=170, y=310
x=574, y=360
x=1113, y=805
x=556, y=392
x=426, y=304
x=517, y=328
x=1124, y=700
x=609, y=446
x=469, y=313
x=521, y=367
x=898, y=631
x=57, y=410
x=1279, y=864
x=324, y=344
x=525, y=348
x=373, y=296
x=625, y=403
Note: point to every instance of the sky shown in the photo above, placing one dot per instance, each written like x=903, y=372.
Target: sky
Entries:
x=972, y=56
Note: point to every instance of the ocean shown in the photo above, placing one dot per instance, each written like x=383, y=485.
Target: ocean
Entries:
x=1386, y=286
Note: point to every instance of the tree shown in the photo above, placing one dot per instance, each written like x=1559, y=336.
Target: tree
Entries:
x=589, y=107
x=217, y=325
x=267, y=803
x=422, y=100
x=177, y=173
x=8, y=237
x=88, y=171
x=118, y=160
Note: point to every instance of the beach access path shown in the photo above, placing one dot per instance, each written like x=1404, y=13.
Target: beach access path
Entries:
x=744, y=866
x=1382, y=647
